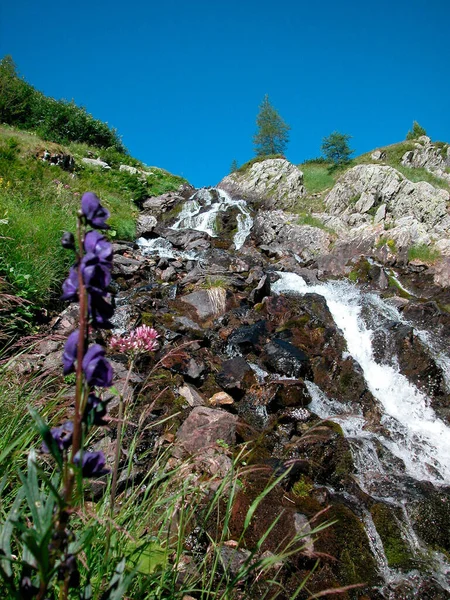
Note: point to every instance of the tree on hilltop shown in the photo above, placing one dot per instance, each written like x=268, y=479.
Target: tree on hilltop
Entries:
x=415, y=132
x=234, y=166
x=272, y=135
x=335, y=148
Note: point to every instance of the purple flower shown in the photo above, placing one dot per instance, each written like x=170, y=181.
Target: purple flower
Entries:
x=95, y=411
x=62, y=436
x=97, y=369
x=92, y=463
x=95, y=213
x=70, y=286
x=95, y=243
x=101, y=311
x=70, y=353
x=96, y=274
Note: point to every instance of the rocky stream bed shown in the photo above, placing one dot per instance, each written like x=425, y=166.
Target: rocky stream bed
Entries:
x=343, y=384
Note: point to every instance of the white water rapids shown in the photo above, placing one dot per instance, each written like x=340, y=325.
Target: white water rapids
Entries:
x=416, y=435
x=201, y=210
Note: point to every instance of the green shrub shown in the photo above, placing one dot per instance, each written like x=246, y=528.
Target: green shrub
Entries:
x=306, y=219
x=415, y=132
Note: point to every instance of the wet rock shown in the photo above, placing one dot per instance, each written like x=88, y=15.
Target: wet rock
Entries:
x=235, y=374
x=123, y=265
x=249, y=337
x=282, y=357
x=261, y=291
x=431, y=517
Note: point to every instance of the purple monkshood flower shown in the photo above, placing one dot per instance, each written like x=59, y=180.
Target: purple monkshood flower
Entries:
x=70, y=352
x=95, y=411
x=96, y=274
x=70, y=286
x=62, y=436
x=95, y=213
x=97, y=369
x=101, y=311
x=96, y=243
x=92, y=464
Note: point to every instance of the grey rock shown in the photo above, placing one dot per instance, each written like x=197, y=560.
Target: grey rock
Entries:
x=96, y=162
x=378, y=155
x=156, y=205
x=168, y=274
x=286, y=359
x=124, y=265
x=261, y=291
x=145, y=224
x=192, y=397
x=276, y=182
x=380, y=215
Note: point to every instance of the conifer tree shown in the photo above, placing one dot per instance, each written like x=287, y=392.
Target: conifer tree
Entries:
x=272, y=135
x=335, y=148
x=234, y=166
x=416, y=131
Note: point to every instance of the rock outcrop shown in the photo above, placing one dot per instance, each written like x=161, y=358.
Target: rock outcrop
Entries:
x=274, y=183
x=364, y=189
x=435, y=159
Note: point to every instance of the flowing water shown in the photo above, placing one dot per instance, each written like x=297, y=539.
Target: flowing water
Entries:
x=415, y=443
x=201, y=210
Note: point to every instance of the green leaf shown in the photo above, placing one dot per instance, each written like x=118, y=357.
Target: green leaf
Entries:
x=44, y=432
x=7, y=529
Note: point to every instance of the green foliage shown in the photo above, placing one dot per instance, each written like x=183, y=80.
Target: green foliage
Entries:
x=272, y=135
x=55, y=120
x=415, y=132
x=335, y=148
x=424, y=253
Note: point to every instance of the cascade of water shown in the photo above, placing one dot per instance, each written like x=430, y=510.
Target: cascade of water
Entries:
x=201, y=210
x=416, y=435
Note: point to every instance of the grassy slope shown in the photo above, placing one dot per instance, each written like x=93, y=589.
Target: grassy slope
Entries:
x=39, y=201
x=320, y=177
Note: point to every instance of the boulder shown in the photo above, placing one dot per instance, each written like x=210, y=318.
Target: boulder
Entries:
x=274, y=182
x=145, y=224
x=356, y=189
x=203, y=427
x=96, y=163
x=207, y=303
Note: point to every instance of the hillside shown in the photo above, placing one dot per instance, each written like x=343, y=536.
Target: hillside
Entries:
x=41, y=184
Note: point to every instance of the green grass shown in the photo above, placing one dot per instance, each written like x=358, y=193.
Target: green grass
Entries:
x=248, y=165
x=307, y=219
x=38, y=202
x=424, y=253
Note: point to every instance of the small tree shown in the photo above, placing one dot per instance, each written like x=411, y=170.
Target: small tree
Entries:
x=335, y=148
x=415, y=132
x=234, y=166
x=272, y=135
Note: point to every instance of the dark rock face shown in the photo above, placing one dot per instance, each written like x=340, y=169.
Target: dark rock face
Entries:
x=249, y=338
x=235, y=374
x=282, y=357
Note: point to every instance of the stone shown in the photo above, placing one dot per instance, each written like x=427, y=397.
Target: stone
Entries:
x=59, y=159
x=286, y=359
x=249, y=337
x=145, y=224
x=378, y=155
x=124, y=265
x=380, y=215
x=274, y=182
x=156, y=205
x=191, y=395
x=220, y=398
x=365, y=202
x=207, y=303
x=261, y=291
x=235, y=374
x=97, y=163
x=129, y=169
x=168, y=274
x=203, y=427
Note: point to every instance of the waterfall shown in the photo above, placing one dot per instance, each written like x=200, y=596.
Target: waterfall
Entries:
x=201, y=210
x=415, y=434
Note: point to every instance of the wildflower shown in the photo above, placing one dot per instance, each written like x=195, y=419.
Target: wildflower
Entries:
x=70, y=286
x=62, y=436
x=92, y=463
x=142, y=339
x=69, y=568
x=95, y=243
x=96, y=274
x=95, y=214
x=70, y=352
x=96, y=368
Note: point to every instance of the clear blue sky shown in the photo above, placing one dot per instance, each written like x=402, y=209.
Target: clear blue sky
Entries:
x=182, y=81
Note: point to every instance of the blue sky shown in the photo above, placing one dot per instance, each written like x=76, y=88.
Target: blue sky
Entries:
x=182, y=81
